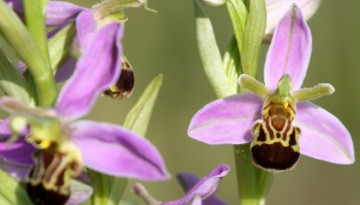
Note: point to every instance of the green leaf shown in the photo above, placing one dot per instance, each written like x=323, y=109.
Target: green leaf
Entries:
x=232, y=64
x=254, y=34
x=16, y=34
x=238, y=16
x=59, y=46
x=12, y=83
x=109, y=189
x=11, y=191
x=138, y=118
x=210, y=55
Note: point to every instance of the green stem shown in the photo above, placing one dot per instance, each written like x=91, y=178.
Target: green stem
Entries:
x=35, y=22
x=253, y=183
x=16, y=34
x=246, y=174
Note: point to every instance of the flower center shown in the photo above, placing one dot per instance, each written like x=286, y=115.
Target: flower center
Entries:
x=48, y=181
x=275, y=145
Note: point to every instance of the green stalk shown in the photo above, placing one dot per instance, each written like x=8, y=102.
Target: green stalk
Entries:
x=253, y=183
x=16, y=34
x=35, y=22
x=247, y=176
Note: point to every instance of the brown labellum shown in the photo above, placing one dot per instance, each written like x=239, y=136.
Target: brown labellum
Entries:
x=48, y=181
x=275, y=146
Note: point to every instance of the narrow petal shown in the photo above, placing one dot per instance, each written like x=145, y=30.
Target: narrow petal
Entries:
x=59, y=12
x=85, y=28
x=12, y=106
x=290, y=50
x=323, y=136
x=276, y=9
x=19, y=152
x=227, y=120
x=205, y=188
x=116, y=151
x=96, y=71
x=189, y=180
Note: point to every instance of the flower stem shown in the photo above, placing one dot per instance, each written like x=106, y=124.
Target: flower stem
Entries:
x=246, y=174
x=16, y=34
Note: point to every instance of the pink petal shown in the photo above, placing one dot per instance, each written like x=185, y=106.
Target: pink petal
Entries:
x=18, y=171
x=227, y=120
x=290, y=50
x=323, y=136
x=205, y=188
x=276, y=10
x=116, y=151
x=85, y=28
x=189, y=180
x=18, y=152
x=59, y=12
x=96, y=71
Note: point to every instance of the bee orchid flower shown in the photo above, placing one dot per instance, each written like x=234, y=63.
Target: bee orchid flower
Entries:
x=278, y=119
x=62, y=145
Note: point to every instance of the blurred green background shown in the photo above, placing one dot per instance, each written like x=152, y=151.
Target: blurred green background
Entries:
x=165, y=43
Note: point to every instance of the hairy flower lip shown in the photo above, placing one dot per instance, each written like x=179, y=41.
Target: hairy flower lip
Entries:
x=229, y=120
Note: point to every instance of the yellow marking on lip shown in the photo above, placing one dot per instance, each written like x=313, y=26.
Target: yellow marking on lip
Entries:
x=44, y=144
x=286, y=104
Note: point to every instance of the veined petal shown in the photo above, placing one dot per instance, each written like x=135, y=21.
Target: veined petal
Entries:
x=85, y=28
x=19, y=152
x=227, y=120
x=290, y=50
x=323, y=136
x=276, y=9
x=189, y=180
x=205, y=188
x=116, y=151
x=96, y=71
x=59, y=12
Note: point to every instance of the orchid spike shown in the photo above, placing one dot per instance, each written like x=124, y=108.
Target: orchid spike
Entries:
x=62, y=145
x=279, y=121
x=198, y=192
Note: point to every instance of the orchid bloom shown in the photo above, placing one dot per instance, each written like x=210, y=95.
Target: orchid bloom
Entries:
x=275, y=9
x=65, y=144
x=88, y=22
x=189, y=180
x=199, y=192
x=279, y=120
